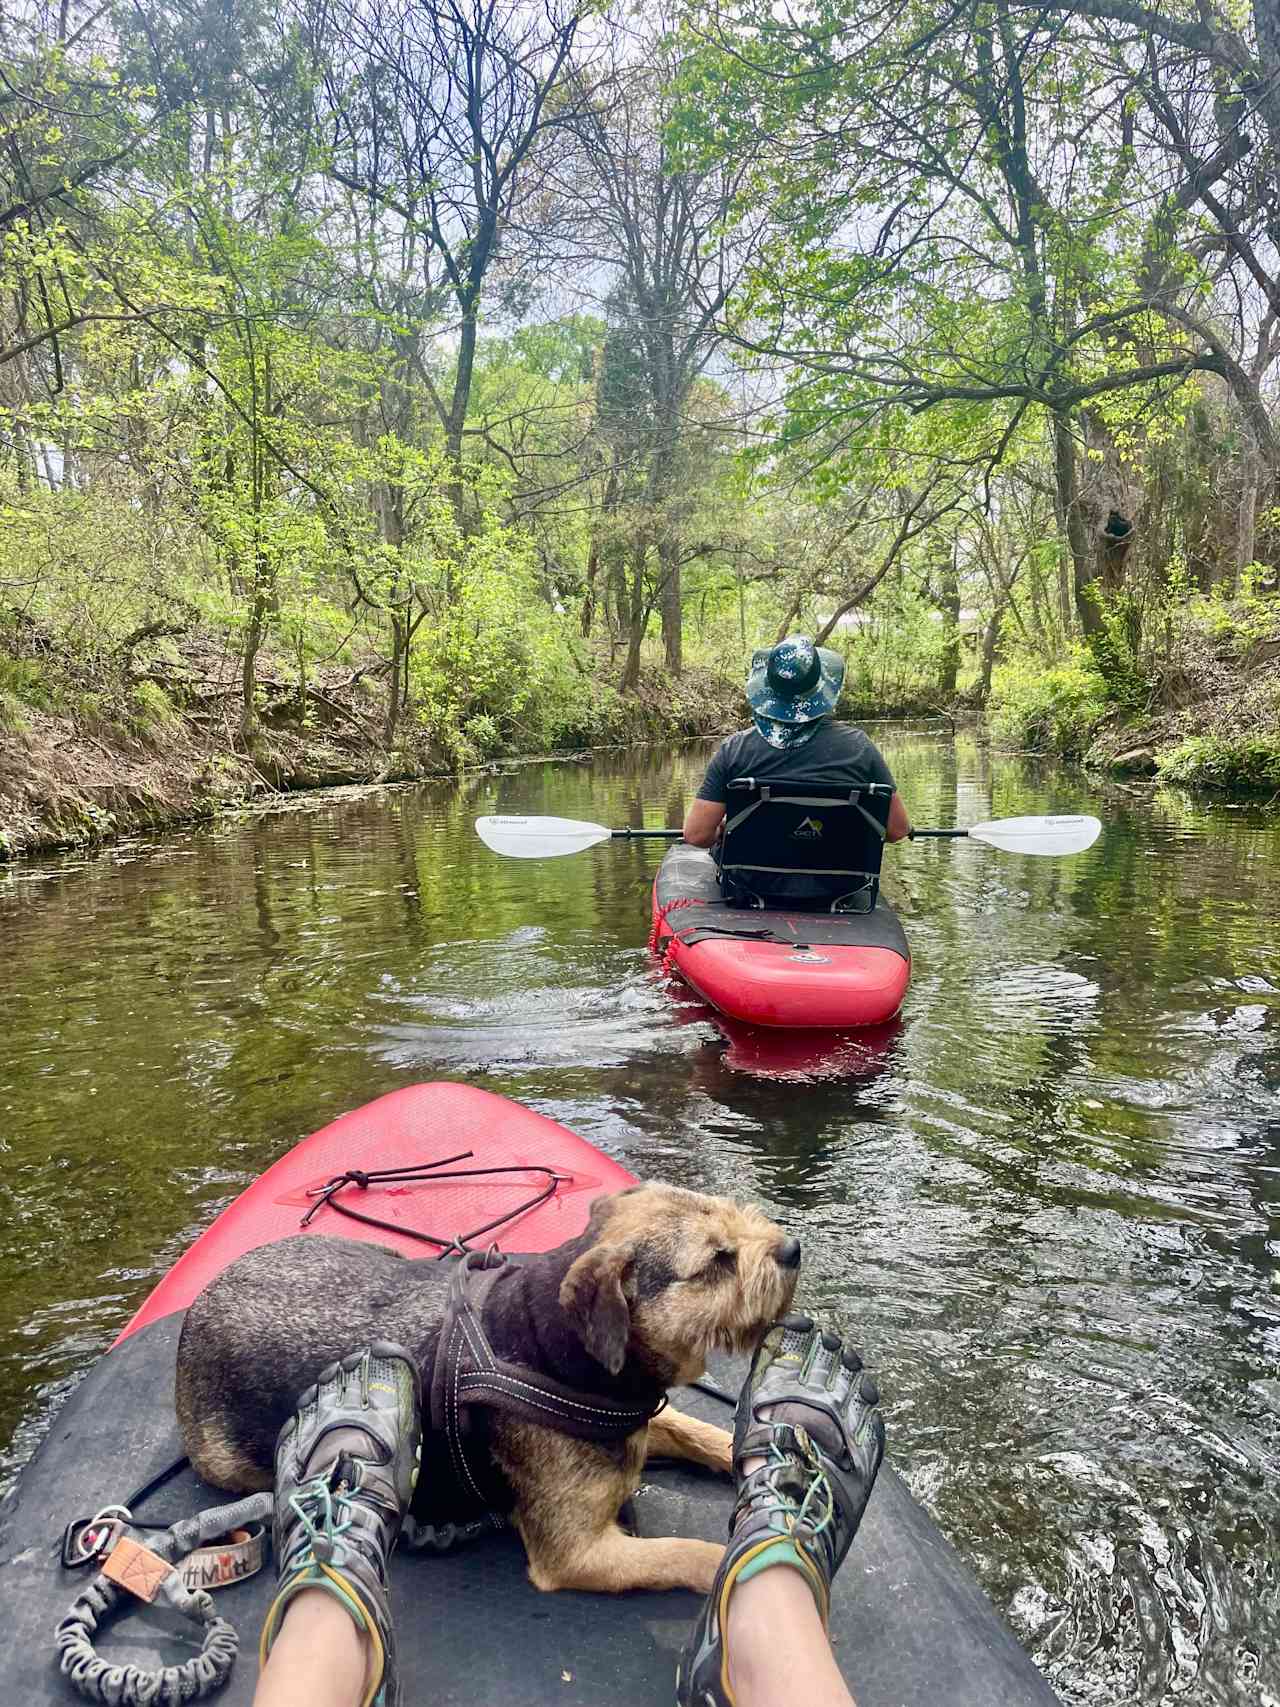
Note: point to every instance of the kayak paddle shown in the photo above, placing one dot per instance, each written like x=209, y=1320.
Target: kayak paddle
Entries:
x=1062, y=835
x=546, y=838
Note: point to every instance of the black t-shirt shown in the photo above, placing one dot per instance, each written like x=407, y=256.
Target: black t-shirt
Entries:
x=834, y=753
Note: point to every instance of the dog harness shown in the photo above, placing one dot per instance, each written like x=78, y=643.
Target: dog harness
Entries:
x=469, y=1376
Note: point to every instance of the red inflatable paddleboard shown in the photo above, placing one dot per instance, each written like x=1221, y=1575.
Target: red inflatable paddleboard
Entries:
x=529, y=1158
x=808, y=971
x=910, y=1626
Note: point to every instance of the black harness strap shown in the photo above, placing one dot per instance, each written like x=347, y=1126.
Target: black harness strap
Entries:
x=691, y=934
x=468, y=1373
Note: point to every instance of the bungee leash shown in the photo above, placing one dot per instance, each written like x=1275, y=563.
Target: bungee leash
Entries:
x=183, y=1560
x=151, y=1574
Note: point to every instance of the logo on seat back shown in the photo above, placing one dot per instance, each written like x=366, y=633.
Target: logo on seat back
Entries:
x=807, y=830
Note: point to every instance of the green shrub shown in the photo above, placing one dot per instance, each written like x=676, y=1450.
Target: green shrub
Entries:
x=25, y=681
x=150, y=710
x=1213, y=761
x=483, y=735
x=1046, y=709
x=11, y=709
x=1117, y=651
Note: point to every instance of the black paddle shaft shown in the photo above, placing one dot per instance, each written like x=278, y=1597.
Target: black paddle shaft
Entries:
x=675, y=835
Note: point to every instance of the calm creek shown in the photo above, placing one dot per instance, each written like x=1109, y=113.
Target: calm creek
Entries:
x=1048, y=1207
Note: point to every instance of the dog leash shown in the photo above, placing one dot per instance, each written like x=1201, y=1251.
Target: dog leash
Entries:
x=230, y=1559
x=153, y=1573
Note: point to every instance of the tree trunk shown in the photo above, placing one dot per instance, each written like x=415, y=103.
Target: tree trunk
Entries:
x=454, y=425
x=395, y=682
x=391, y=520
x=990, y=647
x=1071, y=520
x=589, y=596
x=1244, y=540
x=659, y=499
x=639, y=621
x=672, y=607
x=949, y=605
x=249, y=664
x=607, y=505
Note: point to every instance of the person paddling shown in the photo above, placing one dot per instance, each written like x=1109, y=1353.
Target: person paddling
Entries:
x=792, y=689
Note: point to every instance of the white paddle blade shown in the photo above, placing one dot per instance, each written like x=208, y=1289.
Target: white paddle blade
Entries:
x=1066, y=835
x=539, y=838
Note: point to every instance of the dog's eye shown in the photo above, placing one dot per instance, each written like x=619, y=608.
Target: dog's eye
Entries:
x=723, y=1262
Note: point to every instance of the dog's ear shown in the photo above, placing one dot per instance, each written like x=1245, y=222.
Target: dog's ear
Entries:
x=591, y=1296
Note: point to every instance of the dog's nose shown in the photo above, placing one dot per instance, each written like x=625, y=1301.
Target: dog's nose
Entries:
x=787, y=1255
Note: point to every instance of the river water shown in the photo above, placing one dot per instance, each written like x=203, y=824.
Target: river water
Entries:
x=1049, y=1206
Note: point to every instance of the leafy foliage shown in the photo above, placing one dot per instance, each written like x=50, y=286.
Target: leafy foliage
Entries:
x=477, y=387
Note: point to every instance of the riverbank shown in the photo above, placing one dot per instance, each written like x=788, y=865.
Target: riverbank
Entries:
x=1228, y=742
x=1204, y=715
x=87, y=768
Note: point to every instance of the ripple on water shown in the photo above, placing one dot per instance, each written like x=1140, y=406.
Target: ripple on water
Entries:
x=1048, y=1205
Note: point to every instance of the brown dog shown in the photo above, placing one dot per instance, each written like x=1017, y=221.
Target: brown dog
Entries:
x=634, y=1305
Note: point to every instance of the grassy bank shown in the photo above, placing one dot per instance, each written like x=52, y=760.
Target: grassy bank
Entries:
x=1205, y=715
x=88, y=755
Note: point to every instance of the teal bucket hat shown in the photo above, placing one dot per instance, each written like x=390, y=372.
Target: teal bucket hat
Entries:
x=793, y=684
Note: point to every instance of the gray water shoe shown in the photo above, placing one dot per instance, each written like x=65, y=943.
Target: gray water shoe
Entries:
x=346, y=1465
x=809, y=1420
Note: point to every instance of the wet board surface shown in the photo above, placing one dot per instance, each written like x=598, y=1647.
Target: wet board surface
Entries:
x=910, y=1626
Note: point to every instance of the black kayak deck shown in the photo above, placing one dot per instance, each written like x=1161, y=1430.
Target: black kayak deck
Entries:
x=911, y=1627
x=687, y=884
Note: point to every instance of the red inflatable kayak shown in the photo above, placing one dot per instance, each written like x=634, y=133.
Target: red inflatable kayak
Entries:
x=798, y=970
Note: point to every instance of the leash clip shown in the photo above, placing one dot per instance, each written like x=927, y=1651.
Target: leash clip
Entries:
x=88, y=1540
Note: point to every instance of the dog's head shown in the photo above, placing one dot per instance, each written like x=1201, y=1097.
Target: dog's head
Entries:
x=672, y=1275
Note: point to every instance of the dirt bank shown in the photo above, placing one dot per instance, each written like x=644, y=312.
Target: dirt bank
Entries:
x=1227, y=738
x=105, y=768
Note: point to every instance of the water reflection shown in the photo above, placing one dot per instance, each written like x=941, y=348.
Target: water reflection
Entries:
x=1047, y=1202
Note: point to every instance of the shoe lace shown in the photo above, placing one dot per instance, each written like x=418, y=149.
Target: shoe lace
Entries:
x=324, y=1511
x=801, y=1492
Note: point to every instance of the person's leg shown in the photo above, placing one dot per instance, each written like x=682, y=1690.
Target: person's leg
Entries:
x=318, y=1659
x=807, y=1445
x=346, y=1464
x=778, y=1650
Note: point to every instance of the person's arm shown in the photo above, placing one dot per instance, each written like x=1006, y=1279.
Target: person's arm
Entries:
x=706, y=814
x=702, y=822
x=899, y=824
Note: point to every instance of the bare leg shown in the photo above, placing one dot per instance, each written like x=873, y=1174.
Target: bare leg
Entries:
x=318, y=1659
x=778, y=1651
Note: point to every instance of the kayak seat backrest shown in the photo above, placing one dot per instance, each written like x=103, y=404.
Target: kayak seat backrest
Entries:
x=816, y=845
